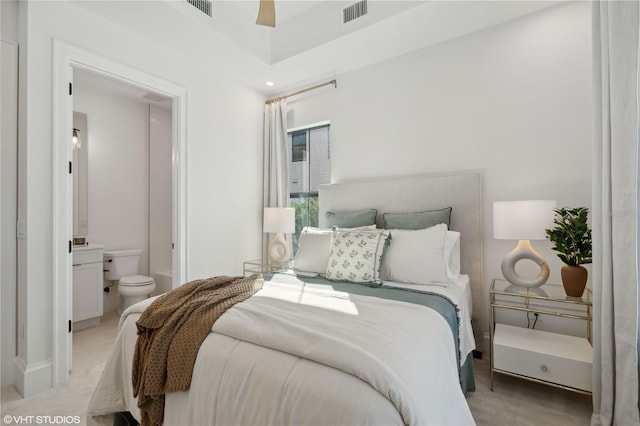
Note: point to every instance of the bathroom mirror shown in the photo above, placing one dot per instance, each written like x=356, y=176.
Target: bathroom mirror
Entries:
x=79, y=139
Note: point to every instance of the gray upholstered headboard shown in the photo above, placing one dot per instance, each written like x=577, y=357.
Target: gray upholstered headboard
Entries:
x=462, y=191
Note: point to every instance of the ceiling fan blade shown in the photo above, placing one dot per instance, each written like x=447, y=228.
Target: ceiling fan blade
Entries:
x=267, y=13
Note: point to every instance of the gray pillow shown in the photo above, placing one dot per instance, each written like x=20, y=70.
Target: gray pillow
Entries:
x=420, y=220
x=351, y=219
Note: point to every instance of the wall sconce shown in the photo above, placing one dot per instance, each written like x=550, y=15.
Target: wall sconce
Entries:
x=75, y=139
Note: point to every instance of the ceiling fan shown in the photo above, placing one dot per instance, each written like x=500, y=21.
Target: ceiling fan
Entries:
x=267, y=14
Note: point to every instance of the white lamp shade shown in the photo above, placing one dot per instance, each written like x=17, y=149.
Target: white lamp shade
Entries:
x=522, y=220
x=279, y=220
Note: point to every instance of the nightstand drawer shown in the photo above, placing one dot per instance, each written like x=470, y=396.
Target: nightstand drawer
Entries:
x=561, y=359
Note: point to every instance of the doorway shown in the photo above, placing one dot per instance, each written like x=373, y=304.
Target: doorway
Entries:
x=68, y=58
x=121, y=183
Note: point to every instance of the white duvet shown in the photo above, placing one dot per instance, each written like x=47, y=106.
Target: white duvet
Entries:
x=458, y=291
x=298, y=353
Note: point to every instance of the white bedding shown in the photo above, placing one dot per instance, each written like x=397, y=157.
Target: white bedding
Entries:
x=459, y=293
x=306, y=354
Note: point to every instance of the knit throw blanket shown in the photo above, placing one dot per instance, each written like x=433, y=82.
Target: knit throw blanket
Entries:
x=170, y=332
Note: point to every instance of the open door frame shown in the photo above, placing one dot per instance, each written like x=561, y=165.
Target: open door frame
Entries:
x=66, y=57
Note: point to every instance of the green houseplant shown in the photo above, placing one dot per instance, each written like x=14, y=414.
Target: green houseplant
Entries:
x=571, y=238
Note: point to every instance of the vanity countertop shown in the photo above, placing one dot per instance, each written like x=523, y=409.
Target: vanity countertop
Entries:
x=88, y=247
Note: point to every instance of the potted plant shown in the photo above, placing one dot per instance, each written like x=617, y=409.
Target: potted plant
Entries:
x=571, y=238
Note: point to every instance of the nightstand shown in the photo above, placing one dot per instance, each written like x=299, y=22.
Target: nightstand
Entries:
x=554, y=359
x=263, y=266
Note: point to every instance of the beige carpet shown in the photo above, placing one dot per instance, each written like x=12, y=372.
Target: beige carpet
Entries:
x=91, y=347
x=514, y=402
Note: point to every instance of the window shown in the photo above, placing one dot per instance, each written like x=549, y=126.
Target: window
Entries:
x=299, y=146
x=310, y=167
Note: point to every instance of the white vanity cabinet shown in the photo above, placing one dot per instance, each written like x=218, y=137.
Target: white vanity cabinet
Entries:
x=87, y=285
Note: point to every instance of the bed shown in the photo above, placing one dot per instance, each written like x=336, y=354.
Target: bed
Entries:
x=309, y=350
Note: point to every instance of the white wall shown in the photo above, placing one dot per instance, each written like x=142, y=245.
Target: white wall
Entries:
x=8, y=181
x=160, y=202
x=118, y=167
x=223, y=157
x=513, y=101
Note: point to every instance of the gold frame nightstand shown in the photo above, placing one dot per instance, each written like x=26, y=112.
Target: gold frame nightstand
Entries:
x=264, y=266
x=557, y=355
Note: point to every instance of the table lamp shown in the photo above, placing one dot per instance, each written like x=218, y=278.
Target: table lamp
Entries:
x=280, y=221
x=523, y=221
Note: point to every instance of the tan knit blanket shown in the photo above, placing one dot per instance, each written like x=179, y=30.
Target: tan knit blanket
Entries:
x=170, y=332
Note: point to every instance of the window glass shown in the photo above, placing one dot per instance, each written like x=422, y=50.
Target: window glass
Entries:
x=310, y=167
x=299, y=146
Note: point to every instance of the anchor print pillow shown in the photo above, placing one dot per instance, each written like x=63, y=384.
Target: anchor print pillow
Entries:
x=355, y=256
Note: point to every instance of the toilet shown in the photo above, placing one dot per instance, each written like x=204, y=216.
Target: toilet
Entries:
x=122, y=266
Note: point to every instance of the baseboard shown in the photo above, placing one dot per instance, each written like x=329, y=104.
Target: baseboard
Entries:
x=482, y=346
x=33, y=379
x=88, y=323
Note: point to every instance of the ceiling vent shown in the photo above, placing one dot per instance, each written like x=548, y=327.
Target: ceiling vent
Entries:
x=354, y=11
x=202, y=5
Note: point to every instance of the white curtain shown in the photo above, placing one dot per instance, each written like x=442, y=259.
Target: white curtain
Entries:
x=615, y=207
x=276, y=162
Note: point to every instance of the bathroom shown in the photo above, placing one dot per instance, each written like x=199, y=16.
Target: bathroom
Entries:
x=122, y=172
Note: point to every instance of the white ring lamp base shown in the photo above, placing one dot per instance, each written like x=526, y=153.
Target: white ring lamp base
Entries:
x=524, y=250
x=279, y=250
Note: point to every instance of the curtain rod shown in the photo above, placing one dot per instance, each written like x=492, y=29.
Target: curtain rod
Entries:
x=269, y=101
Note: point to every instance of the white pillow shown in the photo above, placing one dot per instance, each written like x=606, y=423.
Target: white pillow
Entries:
x=314, y=245
x=452, y=254
x=355, y=255
x=313, y=251
x=416, y=256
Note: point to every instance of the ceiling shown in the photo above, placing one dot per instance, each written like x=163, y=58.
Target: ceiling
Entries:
x=310, y=39
x=285, y=9
x=300, y=24
x=88, y=80
x=309, y=43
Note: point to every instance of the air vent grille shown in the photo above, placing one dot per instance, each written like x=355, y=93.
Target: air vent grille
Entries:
x=202, y=5
x=354, y=11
